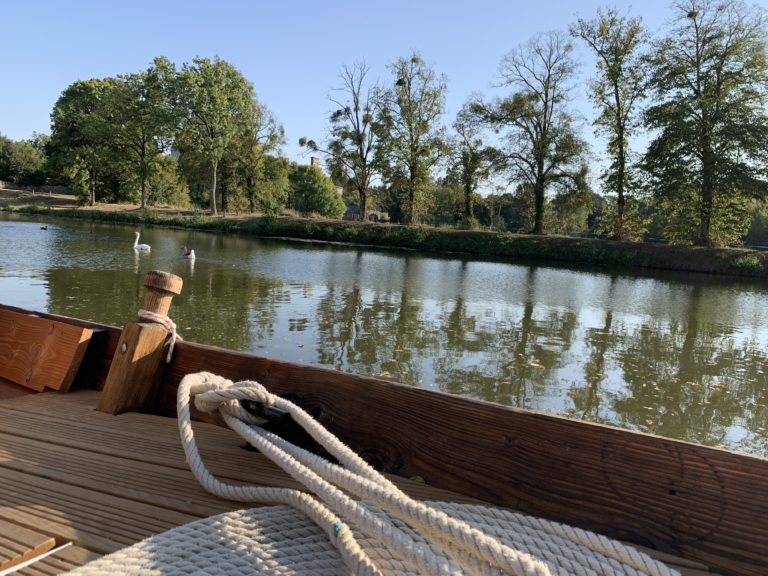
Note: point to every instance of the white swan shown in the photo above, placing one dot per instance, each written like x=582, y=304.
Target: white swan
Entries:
x=188, y=254
x=139, y=247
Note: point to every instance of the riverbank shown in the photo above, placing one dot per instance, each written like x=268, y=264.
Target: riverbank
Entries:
x=479, y=244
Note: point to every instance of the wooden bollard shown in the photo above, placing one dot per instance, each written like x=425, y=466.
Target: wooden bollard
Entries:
x=140, y=359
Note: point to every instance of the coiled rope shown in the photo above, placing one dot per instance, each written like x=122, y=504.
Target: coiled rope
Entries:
x=422, y=536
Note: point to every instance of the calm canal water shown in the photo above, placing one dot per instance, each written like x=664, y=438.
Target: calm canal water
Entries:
x=677, y=355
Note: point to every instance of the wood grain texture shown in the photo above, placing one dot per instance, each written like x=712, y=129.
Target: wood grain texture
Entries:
x=136, y=368
x=98, y=356
x=137, y=364
x=38, y=352
x=701, y=503
x=59, y=562
x=19, y=544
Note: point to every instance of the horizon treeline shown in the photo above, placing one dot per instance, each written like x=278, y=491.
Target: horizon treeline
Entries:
x=694, y=96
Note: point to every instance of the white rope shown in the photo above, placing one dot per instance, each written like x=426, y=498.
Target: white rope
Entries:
x=539, y=547
x=166, y=322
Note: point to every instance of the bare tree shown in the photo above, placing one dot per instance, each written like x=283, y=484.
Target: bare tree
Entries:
x=541, y=147
x=351, y=142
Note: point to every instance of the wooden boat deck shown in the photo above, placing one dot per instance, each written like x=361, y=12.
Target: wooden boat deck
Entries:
x=69, y=473
x=103, y=482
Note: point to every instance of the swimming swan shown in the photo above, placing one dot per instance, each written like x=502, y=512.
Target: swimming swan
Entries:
x=140, y=247
x=188, y=254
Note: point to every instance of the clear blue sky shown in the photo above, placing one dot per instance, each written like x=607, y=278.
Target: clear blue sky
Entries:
x=290, y=50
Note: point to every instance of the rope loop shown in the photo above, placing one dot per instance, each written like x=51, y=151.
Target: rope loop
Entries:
x=352, y=498
x=167, y=323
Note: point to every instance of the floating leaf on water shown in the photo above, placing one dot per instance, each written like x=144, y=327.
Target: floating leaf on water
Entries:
x=650, y=422
x=384, y=374
x=675, y=380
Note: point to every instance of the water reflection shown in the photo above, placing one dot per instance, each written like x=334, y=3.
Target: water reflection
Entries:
x=681, y=356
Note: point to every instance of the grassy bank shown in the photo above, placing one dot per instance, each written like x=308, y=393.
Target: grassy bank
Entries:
x=482, y=245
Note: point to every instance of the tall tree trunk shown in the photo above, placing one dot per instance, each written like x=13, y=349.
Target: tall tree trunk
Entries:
x=707, y=194
x=214, y=169
x=249, y=189
x=468, y=208
x=143, y=172
x=363, y=203
x=92, y=185
x=538, y=192
x=621, y=153
x=410, y=215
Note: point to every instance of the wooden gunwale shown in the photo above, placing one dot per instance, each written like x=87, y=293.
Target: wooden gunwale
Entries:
x=706, y=505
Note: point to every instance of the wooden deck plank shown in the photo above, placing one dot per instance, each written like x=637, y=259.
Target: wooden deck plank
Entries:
x=68, y=420
x=154, y=484
x=61, y=561
x=19, y=544
x=10, y=389
x=105, y=482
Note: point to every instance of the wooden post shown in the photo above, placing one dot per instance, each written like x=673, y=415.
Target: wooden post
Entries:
x=140, y=357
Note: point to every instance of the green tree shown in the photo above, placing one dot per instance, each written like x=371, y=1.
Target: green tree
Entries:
x=22, y=162
x=272, y=186
x=214, y=100
x=471, y=162
x=710, y=82
x=26, y=163
x=314, y=192
x=261, y=136
x=138, y=119
x=77, y=146
x=195, y=169
x=617, y=90
x=5, y=157
x=410, y=140
x=165, y=185
x=541, y=147
x=352, y=141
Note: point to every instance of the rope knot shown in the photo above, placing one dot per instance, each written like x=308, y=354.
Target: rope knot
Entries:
x=214, y=393
x=167, y=323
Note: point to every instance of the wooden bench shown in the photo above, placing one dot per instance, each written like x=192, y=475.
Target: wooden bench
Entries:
x=38, y=353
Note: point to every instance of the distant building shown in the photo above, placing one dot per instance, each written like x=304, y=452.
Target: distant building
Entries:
x=314, y=161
